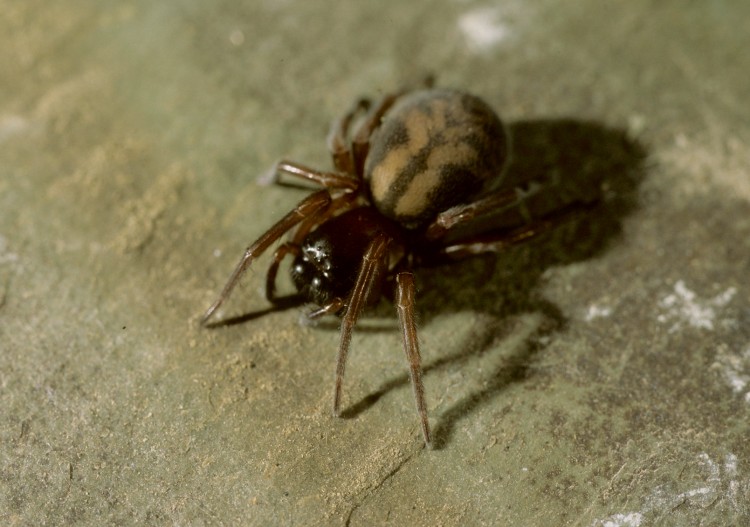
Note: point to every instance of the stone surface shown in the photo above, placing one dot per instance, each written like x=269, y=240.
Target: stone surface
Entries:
x=603, y=381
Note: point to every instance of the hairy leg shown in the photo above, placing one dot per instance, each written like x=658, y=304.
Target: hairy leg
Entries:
x=329, y=180
x=405, y=305
x=488, y=206
x=373, y=265
x=338, y=138
x=361, y=141
x=498, y=241
x=310, y=206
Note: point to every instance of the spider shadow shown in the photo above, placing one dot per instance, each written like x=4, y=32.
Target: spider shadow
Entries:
x=588, y=157
x=281, y=304
x=511, y=369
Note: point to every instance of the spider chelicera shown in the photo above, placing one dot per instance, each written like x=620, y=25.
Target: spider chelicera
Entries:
x=417, y=182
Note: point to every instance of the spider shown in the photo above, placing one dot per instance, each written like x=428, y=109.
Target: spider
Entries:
x=416, y=182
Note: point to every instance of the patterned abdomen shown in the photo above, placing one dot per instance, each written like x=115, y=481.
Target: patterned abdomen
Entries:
x=434, y=149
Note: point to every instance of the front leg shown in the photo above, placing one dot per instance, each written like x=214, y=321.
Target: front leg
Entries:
x=405, y=305
x=309, y=207
x=331, y=308
x=371, y=270
x=273, y=269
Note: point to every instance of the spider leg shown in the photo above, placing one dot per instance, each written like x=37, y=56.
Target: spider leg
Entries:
x=330, y=308
x=338, y=144
x=351, y=159
x=490, y=205
x=331, y=180
x=361, y=141
x=273, y=269
x=494, y=242
x=405, y=306
x=311, y=205
x=373, y=265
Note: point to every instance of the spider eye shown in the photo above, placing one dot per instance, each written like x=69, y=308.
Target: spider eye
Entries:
x=318, y=254
x=311, y=276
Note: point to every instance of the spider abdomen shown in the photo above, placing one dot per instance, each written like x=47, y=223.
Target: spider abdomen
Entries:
x=434, y=149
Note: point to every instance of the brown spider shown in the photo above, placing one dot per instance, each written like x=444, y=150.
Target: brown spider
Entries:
x=418, y=182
